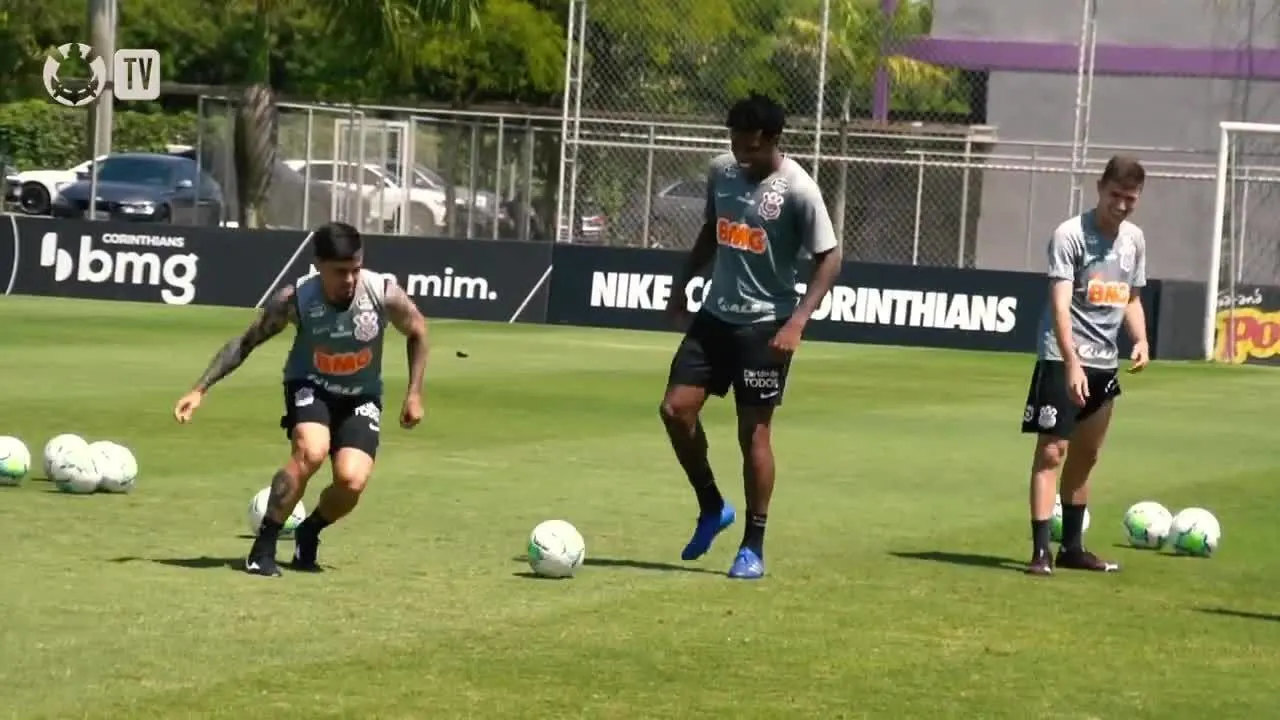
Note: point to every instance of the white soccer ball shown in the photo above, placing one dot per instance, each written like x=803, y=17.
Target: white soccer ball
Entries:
x=258, y=511
x=556, y=549
x=58, y=445
x=73, y=469
x=1147, y=525
x=1055, y=526
x=1195, y=532
x=15, y=460
x=116, y=464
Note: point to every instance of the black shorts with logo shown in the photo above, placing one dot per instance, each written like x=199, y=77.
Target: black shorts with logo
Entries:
x=1049, y=409
x=716, y=355
x=354, y=421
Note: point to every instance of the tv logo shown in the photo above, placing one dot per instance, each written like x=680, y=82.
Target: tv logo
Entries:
x=124, y=267
x=75, y=74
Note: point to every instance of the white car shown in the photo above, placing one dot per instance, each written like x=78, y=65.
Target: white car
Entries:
x=382, y=198
x=33, y=191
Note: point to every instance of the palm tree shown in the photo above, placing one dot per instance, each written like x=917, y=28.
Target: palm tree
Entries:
x=388, y=28
x=859, y=42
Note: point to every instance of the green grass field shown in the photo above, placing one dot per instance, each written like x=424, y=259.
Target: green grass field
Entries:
x=899, y=517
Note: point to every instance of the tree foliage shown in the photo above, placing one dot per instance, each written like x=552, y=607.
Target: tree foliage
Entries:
x=644, y=57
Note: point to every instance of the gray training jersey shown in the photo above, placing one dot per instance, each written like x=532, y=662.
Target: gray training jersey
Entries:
x=1104, y=274
x=760, y=230
x=340, y=350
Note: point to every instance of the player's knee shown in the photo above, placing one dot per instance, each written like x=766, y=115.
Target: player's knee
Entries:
x=1050, y=452
x=1084, y=456
x=352, y=470
x=351, y=483
x=754, y=435
x=308, y=457
x=673, y=410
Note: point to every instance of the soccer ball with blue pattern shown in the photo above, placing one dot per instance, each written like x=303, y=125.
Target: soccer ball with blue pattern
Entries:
x=1147, y=525
x=1195, y=532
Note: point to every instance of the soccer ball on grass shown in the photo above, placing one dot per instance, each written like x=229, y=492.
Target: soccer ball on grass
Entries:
x=258, y=511
x=69, y=463
x=1195, y=532
x=556, y=549
x=15, y=461
x=1147, y=525
x=116, y=465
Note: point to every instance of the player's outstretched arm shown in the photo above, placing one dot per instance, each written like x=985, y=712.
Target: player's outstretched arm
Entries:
x=406, y=318
x=271, y=321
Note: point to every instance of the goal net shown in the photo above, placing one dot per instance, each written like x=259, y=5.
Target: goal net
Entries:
x=1242, y=309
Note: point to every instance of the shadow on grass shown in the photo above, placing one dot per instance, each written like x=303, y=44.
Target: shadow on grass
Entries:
x=1224, y=612
x=630, y=565
x=203, y=562
x=994, y=562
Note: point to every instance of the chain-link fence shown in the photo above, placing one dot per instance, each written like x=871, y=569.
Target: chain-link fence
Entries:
x=648, y=85
x=398, y=170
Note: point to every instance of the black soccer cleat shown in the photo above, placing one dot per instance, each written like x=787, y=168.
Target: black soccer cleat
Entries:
x=1041, y=564
x=264, y=566
x=1081, y=559
x=305, y=550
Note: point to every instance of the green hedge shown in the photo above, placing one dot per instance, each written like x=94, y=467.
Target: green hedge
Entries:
x=41, y=135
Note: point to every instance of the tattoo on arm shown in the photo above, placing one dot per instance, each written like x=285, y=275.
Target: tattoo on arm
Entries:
x=406, y=318
x=274, y=318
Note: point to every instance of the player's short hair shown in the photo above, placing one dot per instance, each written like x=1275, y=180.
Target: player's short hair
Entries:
x=1125, y=171
x=336, y=241
x=757, y=112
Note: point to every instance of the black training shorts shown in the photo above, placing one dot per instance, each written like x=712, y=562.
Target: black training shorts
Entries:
x=353, y=421
x=1049, y=409
x=716, y=355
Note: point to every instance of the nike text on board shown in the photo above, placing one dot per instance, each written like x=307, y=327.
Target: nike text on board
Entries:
x=843, y=304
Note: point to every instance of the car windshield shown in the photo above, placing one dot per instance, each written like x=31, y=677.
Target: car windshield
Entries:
x=140, y=171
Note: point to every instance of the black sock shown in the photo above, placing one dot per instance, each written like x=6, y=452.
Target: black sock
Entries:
x=314, y=523
x=710, y=501
x=1040, y=536
x=753, y=533
x=268, y=536
x=1072, y=526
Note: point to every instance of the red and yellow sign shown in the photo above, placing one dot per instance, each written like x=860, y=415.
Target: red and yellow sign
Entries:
x=1248, y=335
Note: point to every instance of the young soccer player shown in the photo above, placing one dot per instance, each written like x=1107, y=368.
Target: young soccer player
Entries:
x=332, y=385
x=1097, y=267
x=762, y=211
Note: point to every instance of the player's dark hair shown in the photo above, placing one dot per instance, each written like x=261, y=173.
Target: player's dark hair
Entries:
x=1125, y=171
x=757, y=112
x=336, y=242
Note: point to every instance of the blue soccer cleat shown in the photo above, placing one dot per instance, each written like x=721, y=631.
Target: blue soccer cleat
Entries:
x=705, y=532
x=747, y=565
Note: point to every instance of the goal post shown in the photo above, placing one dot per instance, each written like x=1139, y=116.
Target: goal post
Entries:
x=1244, y=259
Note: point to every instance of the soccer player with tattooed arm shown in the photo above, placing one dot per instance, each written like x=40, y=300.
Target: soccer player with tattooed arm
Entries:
x=332, y=386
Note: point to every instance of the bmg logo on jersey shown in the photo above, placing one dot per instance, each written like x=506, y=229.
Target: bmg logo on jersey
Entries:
x=125, y=267
x=741, y=236
x=1110, y=294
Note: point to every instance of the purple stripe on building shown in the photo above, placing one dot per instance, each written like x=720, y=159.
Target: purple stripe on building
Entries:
x=1014, y=56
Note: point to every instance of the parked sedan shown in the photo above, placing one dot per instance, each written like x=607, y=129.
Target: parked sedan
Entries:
x=146, y=187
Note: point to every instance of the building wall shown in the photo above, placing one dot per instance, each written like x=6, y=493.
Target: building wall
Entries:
x=1177, y=115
